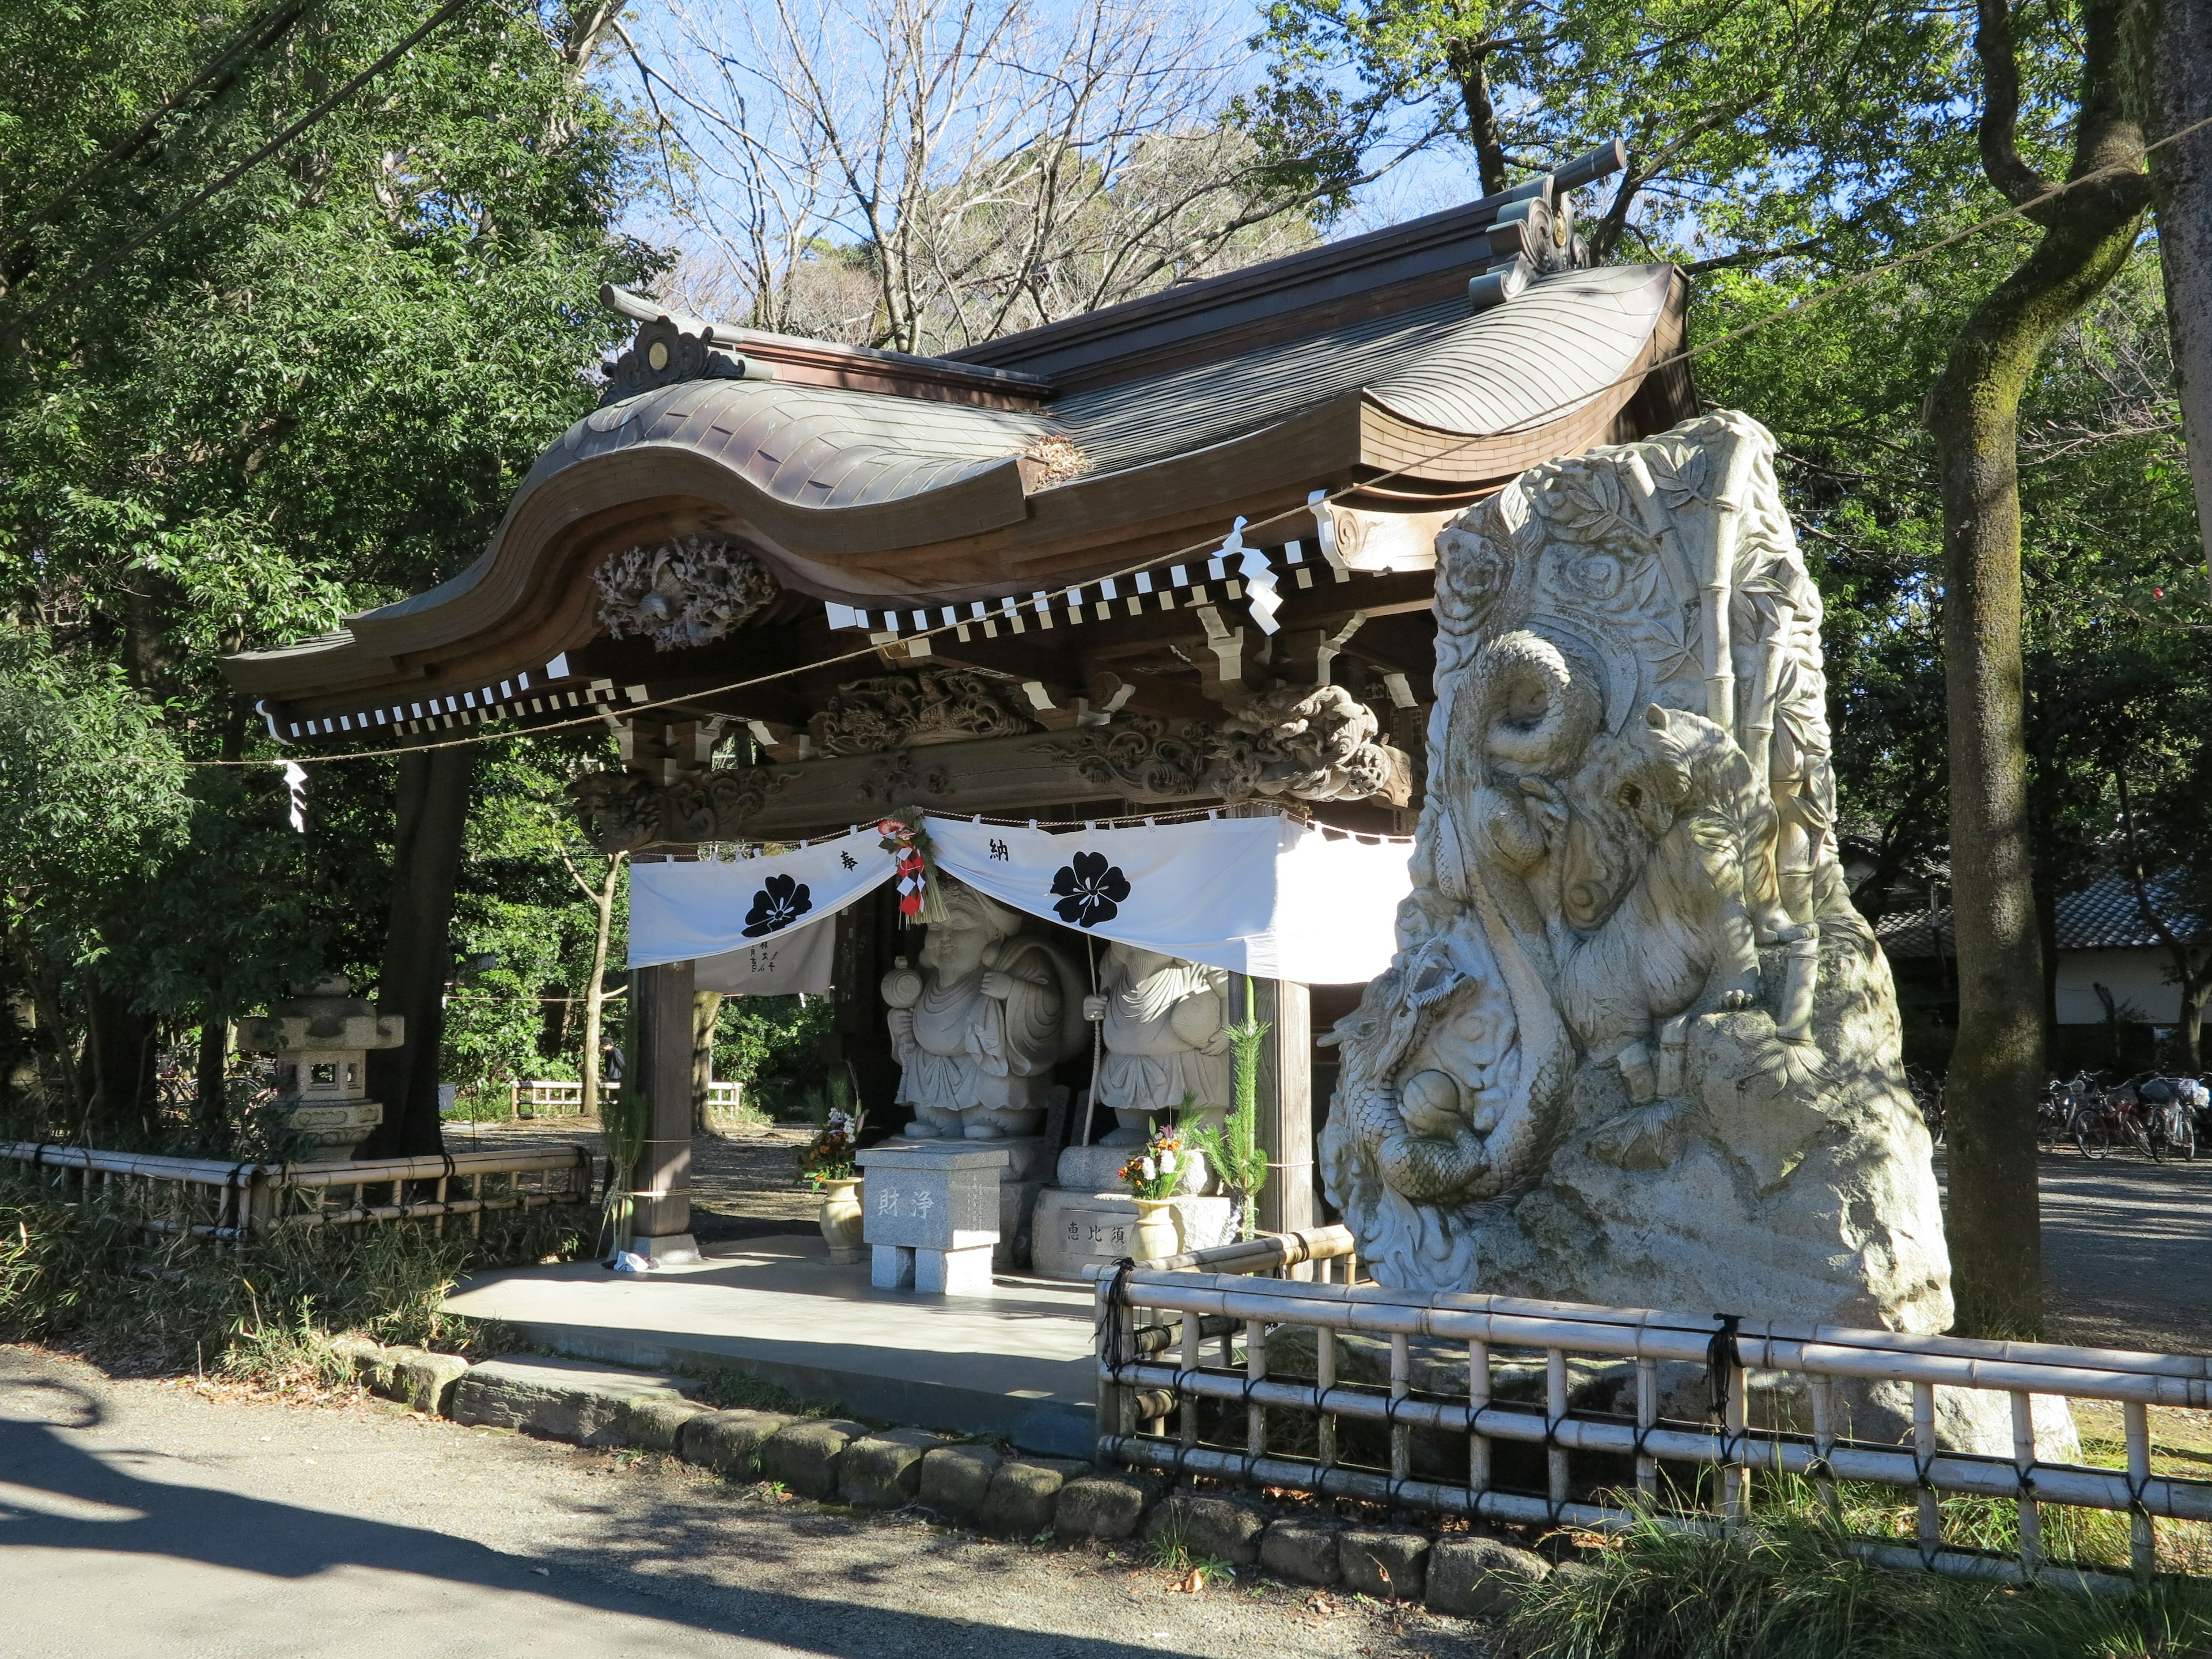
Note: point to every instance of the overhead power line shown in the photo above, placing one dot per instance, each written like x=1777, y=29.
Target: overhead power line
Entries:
x=108, y=262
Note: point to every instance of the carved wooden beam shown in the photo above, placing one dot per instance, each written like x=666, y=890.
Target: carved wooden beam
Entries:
x=1306, y=743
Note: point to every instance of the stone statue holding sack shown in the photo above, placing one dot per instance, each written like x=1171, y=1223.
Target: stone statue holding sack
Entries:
x=981, y=1020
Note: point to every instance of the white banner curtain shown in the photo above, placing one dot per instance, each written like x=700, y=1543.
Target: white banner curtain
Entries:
x=800, y=958
x=710, y=909
x=1267, y=896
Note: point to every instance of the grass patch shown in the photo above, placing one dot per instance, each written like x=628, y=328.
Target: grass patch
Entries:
x=87, y=1276
x=737, y=1389
x=1787, y=1591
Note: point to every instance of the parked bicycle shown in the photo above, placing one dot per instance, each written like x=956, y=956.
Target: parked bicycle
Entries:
x=1927, y=1088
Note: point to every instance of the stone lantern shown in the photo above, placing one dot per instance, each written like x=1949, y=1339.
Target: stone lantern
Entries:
x=321, y=1042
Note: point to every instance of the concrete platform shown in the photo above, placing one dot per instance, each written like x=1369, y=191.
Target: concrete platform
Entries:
x=1017, y=1363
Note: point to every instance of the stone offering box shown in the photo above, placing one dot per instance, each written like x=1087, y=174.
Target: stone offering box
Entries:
x=1077, y=1224
x=933, y=1214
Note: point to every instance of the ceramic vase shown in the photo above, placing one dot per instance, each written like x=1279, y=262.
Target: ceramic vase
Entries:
x=841, y=1216
x=1156, y=1237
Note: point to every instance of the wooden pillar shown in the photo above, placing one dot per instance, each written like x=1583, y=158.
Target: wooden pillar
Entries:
x=1285, y=1099
x=662, y=1069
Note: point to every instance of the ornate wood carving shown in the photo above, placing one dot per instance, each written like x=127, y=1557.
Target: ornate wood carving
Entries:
x=682, y=593
x=1304, y=744
x=937, y=705
x=1309, y=743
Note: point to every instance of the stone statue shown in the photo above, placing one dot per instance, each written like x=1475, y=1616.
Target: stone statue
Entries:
x=1635, y=1047
x=1164, y=1042
x=981, y=1020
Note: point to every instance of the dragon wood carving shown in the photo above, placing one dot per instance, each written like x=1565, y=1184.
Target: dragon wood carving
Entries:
x=1309, y=743
x=937, y=705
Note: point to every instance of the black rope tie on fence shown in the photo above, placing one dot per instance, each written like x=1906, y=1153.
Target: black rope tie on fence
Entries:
x=1721, y=1359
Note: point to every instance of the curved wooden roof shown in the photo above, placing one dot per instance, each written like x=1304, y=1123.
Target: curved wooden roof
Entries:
x=866, y=496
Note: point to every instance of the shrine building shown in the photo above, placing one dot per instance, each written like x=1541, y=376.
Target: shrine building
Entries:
x=1162, y=563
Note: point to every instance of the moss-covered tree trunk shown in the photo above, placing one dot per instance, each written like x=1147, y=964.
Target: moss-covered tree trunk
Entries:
x=1972, y=414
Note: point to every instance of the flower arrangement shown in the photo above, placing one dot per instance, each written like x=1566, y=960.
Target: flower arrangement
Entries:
x=1161, y=1168
x=829, y=1156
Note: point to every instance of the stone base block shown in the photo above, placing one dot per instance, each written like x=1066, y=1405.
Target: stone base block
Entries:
x=933, y=1273
x=953, y=1273
x=559, y=1399
x=1098, y=1169
x=1074, y=1230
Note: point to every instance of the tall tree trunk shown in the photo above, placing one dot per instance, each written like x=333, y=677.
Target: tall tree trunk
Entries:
x=2178, y=87
x=120, y=1039
x=426, y=864
x=595, y=989
x=211, y=1095
x=1973, y=415
x=706, y=1008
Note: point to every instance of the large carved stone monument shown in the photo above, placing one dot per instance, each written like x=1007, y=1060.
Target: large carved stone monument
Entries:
x=981, y=1019
x=1635, y=1047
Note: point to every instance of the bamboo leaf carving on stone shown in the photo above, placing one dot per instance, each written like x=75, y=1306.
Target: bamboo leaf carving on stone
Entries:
x=682, y=593
x=1635, y=1047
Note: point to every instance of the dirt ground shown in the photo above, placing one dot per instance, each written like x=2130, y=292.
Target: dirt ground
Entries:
x=143, y=1516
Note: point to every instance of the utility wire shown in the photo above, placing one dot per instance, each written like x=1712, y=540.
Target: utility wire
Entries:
x=109, y=261
x=258, y=34
x=1794, y=308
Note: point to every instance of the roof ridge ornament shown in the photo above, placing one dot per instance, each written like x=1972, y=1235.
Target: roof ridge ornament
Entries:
x=670, y=346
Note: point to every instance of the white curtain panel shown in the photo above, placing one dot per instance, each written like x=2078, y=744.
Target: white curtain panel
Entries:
x=680, y=912
x=800, y=958
x=1267, y=897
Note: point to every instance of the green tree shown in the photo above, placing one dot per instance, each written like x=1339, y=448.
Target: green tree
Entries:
x=313, y=395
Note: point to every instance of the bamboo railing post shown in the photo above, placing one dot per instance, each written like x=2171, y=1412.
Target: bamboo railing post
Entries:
x=2142, y=1538
x=1736, y=1469
x=1190, y=1357
x=2023, y=1457
x=1324, y=1379
x=1478, y=1401
x=1930, y=1520
x=1647, y=1419
x=1824, y=1442
x=1256, y=1370
x=1555, y=1414
x=1401, y=1384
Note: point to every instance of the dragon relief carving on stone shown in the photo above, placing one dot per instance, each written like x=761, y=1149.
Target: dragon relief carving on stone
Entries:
x=1635, y=1047
x=1309, y=743
x=686, y=592
x=935, y=705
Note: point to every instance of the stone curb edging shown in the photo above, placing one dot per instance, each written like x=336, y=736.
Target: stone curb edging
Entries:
x=838, y=1459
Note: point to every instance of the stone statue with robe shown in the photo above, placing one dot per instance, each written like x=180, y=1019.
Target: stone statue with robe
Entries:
x=981, y=1019
x=1165, y=1047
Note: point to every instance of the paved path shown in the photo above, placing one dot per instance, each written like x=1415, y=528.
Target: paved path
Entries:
x=139, y=1518
x=2127, y=1252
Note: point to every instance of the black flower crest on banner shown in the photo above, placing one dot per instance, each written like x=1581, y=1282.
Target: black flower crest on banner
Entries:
x=780, y=901
x=1091, y=889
